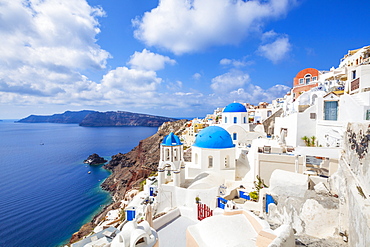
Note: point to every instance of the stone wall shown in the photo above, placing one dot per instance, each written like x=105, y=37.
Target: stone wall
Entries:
x=352, y=183
x=305, y=204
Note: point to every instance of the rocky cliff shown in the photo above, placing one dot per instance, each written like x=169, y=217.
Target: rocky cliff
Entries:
x=129, y=169
x=122, y=118
x=100, y=119
x=68, y=117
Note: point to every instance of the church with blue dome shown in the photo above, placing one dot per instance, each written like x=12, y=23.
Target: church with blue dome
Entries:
x=213, y=151
x=213, y=137
x=235, y=107
x=171, y=162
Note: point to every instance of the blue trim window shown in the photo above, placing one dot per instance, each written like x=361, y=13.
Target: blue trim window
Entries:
x=225, y=119
x=331, y=110
x=235, y=120
x=245, y=120
x=234, y=136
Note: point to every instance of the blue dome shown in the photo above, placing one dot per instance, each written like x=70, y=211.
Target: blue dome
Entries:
x=171, y=140
x=213, y=137
x=235, y=107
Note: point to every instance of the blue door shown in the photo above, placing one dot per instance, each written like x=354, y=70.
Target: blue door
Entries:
x=331, y=110
x=269, y=199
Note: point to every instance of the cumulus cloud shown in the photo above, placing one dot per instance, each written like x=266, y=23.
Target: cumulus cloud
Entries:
x=255, y=94
x=236, y=85
x=229, y=81
x=147, y=60
x=131, y=80
x=188, y=26
x=59, y=33
x=45, y=45
x=276, y=50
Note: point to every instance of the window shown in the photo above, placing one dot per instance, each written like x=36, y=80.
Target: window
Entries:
x=196, y=159
x=269, y=113
x=314, y=97
x=307, y=78
x=244, y=120
x=225, y=119
x=167, y=154
x=313, y=115
x=210, y=161
x=331, y=110
x=354, y=74
x=314, y=78
x=234, y=136
x=235, y=120
x=301, y=81
x=368, y=115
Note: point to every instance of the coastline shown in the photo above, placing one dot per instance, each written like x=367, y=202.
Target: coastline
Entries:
x=50, y=182
x=96, y=190
x=127, y=170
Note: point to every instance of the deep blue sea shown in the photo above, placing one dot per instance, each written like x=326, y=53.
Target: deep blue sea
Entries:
x=46, y=193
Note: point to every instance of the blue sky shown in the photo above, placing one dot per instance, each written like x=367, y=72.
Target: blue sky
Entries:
x=173, y=58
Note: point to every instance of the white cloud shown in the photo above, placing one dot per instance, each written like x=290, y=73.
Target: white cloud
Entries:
x=44, y=33
x=44, y=46
x=197, y=76
x=255, y=94
x=277, y=50
x=268, y=36
x=131, y=80
x=147, y=60
x=188, y=26
x=235, y=63
x=236, y=86
x=229, y=81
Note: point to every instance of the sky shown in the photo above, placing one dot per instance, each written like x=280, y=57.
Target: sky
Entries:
x=176, y=58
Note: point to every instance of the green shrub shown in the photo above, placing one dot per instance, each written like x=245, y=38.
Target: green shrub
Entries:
x=142, y=183
x=254, y=195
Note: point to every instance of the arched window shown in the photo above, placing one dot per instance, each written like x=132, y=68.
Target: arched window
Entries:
x=314, y=97
x=210, y=161
x=167, y=154
x=307, y=78
x=235, y=120
x=234, y=136
x=141, y=240
x=175, y=154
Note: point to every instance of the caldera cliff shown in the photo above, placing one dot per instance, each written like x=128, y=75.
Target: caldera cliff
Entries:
x=129, y=169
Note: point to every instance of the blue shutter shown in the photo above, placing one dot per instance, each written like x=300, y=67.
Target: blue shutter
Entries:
x=331, y=110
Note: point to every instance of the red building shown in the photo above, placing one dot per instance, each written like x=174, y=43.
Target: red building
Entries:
x=304, y=81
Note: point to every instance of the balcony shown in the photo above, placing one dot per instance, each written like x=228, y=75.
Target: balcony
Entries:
x=355, y=84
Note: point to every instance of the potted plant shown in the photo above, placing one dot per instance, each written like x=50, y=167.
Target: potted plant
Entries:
x=197, y=199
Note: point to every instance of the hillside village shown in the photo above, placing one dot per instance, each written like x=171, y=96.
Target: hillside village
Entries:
x=265, y=175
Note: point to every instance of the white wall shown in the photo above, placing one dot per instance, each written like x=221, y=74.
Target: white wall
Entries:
x=172, y=197
x=218, y=155
x=363, y=72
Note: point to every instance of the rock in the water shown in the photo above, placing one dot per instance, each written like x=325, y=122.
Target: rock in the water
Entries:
x=95, y=159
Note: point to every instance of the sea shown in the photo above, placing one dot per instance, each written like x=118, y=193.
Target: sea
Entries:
x=46, y=191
